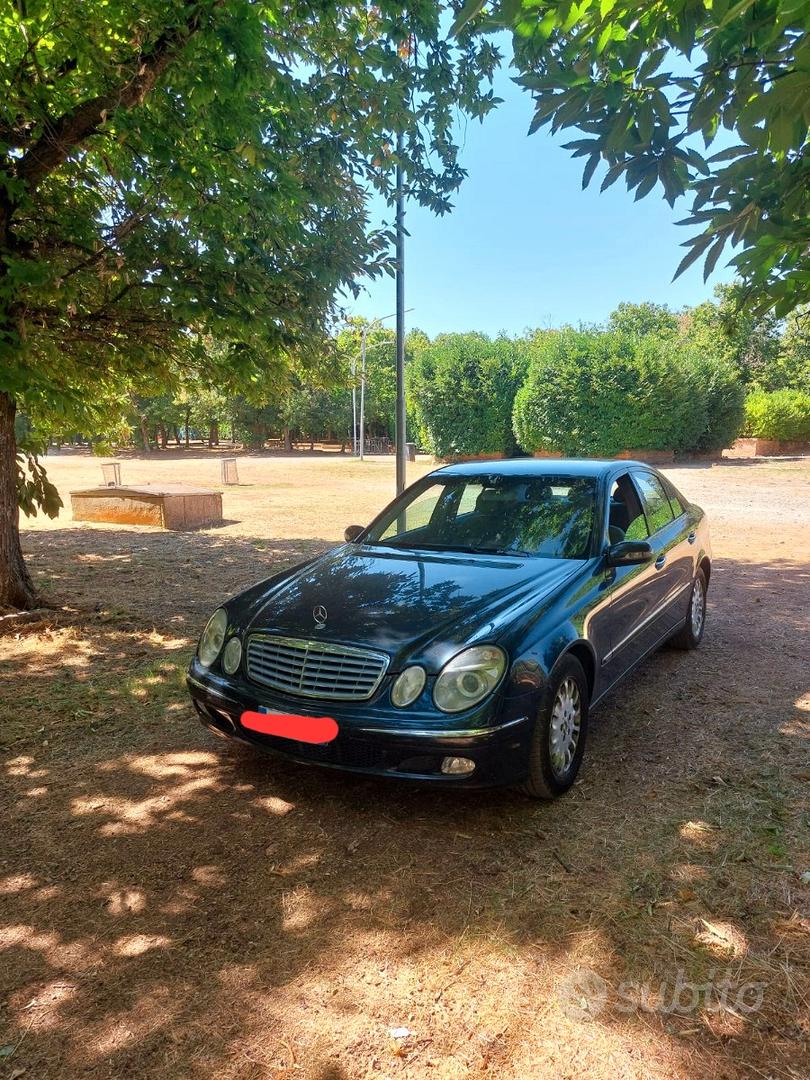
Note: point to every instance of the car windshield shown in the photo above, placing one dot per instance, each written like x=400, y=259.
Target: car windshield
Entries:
x=547, y=516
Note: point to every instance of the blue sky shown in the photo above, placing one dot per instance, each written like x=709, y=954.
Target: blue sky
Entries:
x=526, y=247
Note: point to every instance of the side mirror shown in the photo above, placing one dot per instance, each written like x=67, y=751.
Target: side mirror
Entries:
x=629, y=553
x=352, y=532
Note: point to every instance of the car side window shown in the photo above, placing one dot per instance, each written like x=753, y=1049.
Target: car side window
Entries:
x=656, y=504
x=417, y=514
x=469, y=498
x=676, y=500
x=626, y=519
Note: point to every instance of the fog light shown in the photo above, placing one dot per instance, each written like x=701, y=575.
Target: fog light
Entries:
x=457, y=766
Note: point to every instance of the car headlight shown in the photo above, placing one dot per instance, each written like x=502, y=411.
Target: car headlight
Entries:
x=213, y=637
x=232, y=656
x=469, y=677
x=408, y=686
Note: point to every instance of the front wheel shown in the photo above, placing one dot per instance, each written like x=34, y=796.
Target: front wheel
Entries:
x=558, y=740
x=688, y=637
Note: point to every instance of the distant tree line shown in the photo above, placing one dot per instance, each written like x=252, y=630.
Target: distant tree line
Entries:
x=650, y=378
x=299, y=399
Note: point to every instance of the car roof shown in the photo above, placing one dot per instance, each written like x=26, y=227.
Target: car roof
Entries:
x=539, y=467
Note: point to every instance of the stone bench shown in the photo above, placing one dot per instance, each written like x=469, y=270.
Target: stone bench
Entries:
x=169, y=506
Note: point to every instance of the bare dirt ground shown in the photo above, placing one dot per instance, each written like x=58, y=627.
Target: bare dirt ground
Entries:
x=172, y=907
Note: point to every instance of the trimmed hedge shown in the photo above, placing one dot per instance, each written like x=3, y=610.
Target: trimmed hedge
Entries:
x=780, y=414
x=597, y=393
x=461, y=388
x=724, y=398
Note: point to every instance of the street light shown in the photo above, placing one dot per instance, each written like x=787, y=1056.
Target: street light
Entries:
x=399, y=420
x=379, y=344
x=359, y=442
x=399, y=424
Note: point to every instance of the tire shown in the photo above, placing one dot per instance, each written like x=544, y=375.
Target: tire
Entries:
x=691, y=633
x=551, y=770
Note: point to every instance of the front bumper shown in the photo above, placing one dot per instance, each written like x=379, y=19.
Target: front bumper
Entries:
x=383, y=742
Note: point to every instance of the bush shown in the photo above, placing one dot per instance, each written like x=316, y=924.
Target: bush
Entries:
x=461, y=389
x=643, y=319
x=781, y=414
x=598, y=393
x=724, y=400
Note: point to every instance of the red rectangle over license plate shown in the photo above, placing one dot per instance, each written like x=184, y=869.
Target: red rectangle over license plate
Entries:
x=311, y=729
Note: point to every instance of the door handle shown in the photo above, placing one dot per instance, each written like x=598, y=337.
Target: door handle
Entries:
x=692, y=537
x=659, y=562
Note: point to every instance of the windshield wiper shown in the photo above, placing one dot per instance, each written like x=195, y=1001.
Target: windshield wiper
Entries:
x=461, y=549
x=496, y=551
x=416, y=547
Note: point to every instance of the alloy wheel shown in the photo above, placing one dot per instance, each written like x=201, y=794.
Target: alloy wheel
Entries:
x=698, y=608
x=566, y=721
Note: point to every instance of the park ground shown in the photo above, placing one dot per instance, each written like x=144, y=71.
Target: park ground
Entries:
x=175, y=907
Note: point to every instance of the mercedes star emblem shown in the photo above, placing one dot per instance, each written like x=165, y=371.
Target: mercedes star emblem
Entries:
x=319, y=614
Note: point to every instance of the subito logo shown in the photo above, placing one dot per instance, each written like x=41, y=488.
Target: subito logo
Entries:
x=582, y=994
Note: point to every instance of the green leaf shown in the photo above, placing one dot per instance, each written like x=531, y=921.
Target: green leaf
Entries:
x=651, y=64
x=604, y=37
x=697, y=161
x=736, y=11
x=730, y=152
x=612, y=175
x=698, y=245
x=646, y=185
x=784, y=131
x=540, y=117
x=713, y=256
x=589, y=169
x=544, y=28
x=645, y=119
x=469, y=10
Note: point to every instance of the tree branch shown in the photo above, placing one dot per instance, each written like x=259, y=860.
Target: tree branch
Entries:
x=62, y=136
x=116, y=234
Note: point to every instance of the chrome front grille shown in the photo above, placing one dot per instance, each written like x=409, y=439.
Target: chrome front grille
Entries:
x=314, y=669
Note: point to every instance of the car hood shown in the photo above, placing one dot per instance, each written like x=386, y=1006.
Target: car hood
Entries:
x=412, y=605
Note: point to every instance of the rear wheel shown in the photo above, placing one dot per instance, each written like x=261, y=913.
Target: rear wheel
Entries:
x=558, y=740
x=690, y=634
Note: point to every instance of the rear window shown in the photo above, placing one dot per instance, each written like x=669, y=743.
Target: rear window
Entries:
x=676, y=501
x=656, y=502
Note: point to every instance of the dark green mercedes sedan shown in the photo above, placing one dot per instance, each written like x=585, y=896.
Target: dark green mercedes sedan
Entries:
x=465, y=634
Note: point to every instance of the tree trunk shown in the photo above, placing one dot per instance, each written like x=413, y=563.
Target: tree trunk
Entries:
x=188, y=422
x=287, y=439
x=145, y=434
x=16, y=587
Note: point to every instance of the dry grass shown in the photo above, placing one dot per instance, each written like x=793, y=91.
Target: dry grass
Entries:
x=172, y=907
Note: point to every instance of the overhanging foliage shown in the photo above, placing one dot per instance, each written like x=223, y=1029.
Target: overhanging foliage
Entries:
x=707, y=98
x=172, y=170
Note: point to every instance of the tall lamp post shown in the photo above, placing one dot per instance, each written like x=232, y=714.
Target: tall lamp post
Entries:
x=359, y=437
x=399, y=426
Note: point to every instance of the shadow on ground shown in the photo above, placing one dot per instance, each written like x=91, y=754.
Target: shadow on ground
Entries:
x=173, y=906
x=174, y=578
